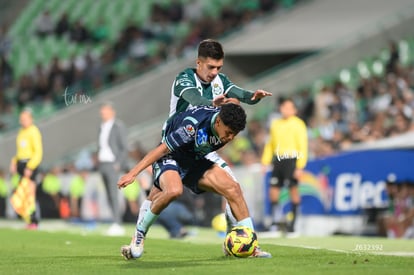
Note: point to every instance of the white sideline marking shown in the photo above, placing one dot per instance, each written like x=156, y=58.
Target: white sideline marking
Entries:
x=391, y=253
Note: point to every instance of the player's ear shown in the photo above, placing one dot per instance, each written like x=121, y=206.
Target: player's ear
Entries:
x=218, y=121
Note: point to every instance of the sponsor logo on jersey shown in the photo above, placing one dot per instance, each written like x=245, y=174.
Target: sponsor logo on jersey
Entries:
x=185, y=84
x=185, y=81
x=202, y=137
x=215, y=140
x=183, y=135
x=189, y=129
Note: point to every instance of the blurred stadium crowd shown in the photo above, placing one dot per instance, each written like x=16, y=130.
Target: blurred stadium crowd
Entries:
x=338, y=113
x=78, y=49
x=375, y=106
x=103, y=55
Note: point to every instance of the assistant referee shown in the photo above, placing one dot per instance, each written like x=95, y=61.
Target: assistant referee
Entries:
x=287, y=150
x=29, y=153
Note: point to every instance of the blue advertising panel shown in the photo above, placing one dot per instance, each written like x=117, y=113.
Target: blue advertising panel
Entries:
x=347, y=183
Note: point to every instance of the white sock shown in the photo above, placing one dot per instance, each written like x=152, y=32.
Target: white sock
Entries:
x=146, y=222
x=246, y=222
x=230, y=219
x=145, y=206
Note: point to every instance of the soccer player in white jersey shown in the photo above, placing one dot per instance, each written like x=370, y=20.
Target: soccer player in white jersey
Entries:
x=205, y=85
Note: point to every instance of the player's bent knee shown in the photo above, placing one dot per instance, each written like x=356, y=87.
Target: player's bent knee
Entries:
x=174, y=193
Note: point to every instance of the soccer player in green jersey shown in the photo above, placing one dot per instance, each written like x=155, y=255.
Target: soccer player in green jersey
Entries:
x=206, y=85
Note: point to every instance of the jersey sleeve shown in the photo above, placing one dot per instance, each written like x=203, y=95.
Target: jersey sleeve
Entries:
x=183, y=135
x=184, y=82
x=37, y=149
x=185, y=87
x=193, y=97
x=233, y=91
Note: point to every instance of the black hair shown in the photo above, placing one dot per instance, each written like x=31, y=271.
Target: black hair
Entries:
x=233, y=116
x=286, y=99
x=210, y=48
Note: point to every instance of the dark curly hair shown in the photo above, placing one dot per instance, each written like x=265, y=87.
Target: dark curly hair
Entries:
x=210, y=48
x=233, y=116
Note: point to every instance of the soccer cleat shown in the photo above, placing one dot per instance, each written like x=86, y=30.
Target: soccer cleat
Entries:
x=137, y=245
x=32, y=226
x=136, y=248
x=258, y=253
x=225, y=252
x=126, y=252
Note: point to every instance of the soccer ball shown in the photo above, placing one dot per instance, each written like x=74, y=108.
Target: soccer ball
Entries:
x=241, y=242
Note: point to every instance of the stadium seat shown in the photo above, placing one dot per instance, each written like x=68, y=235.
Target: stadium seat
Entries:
x=404, y=52
x=182, y=29
x=24, y=23
x=384, y=55
x=349, y=77
x=378, y=67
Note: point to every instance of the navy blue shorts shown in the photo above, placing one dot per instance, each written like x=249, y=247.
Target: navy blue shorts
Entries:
x=190, y=171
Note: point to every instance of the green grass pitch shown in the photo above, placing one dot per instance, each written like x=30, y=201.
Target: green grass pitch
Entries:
x=63, y=248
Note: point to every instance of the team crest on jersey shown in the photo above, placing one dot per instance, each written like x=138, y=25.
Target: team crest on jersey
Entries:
x=216, y=89
x=189, y=129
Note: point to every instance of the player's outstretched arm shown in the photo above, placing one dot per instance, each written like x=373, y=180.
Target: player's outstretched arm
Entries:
x=152, y=156
x=246, y=96
x=259, y=94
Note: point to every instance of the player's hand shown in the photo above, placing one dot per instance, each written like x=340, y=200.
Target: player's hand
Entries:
x=27, y=173
x=298, y=173
x=125, y=180
x=260, y=94
x=219, y=100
